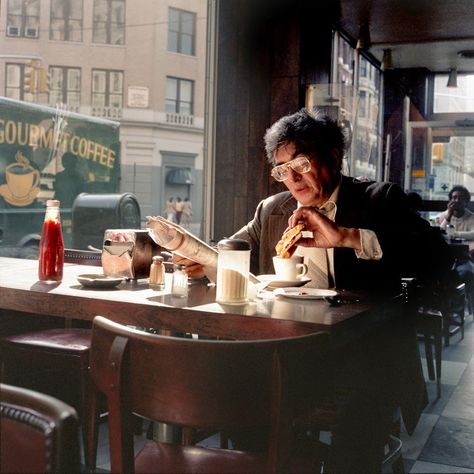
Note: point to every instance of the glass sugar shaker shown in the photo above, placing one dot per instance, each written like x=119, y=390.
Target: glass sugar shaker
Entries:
x=233, y=266
x=180, y=281
x=157, y=273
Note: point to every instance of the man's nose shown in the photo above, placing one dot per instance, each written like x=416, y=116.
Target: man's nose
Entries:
x=294, y=176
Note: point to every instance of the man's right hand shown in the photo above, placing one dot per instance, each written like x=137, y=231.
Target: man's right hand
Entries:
x=193, y=269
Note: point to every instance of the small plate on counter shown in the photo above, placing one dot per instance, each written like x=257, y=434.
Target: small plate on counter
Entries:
x=305, y=293
x=274, y=282
x=93, y=280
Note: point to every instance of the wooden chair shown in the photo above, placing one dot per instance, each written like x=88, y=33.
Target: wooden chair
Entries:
x=27, y=360
x=231, y=386
x=440, y=315
x=38, y=433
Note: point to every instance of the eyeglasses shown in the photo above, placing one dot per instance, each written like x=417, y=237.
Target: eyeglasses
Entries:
x=300, y=164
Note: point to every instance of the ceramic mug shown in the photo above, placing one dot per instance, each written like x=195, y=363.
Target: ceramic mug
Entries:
x=289, y=269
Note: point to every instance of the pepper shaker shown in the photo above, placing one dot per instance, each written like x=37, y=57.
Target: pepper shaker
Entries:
x=157, y=273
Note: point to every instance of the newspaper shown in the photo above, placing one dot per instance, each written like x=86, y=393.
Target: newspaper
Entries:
x=178, y=240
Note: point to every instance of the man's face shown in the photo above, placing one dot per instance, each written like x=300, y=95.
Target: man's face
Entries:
x=458, y=203
x=312, y=188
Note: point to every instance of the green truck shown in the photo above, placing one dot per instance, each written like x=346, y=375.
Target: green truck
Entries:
x=49, y=153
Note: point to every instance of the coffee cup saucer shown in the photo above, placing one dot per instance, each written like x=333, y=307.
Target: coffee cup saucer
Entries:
x=274, y=282
x=6, y=193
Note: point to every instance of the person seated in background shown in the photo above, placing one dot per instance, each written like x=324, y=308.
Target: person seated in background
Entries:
x=365, y=237
x=457, y=213
x=461, y=218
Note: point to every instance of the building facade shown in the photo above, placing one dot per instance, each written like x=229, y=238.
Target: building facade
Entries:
x=138, y=62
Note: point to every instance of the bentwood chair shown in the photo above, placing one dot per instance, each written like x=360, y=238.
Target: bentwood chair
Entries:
x=55, y=361
x=38, y=433
x=255, y=387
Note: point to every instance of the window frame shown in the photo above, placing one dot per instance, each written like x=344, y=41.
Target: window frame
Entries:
x=67, y=19
x=108, y=23
x=180, y=33
x=178, y=101
x=24, y=23
x=65, y=91
x=107, y=93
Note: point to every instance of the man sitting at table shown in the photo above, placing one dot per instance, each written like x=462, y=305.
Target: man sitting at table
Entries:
x=458, y=215
x=364, y=236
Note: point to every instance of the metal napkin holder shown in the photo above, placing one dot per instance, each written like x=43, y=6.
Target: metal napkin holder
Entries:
x=128, y=253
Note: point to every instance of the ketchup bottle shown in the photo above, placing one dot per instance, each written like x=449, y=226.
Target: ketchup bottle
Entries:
x=51, y=250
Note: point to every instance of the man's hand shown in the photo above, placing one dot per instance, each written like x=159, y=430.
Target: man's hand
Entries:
x=326, y=233
x=193, y=269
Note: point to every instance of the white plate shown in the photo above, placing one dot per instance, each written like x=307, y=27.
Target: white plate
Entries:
x=304, y=293
x=275, y=283
x=99, y=281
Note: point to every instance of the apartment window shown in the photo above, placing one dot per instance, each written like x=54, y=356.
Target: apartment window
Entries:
x=65, y=86
x=109, y=21
x=181, y=31
x=66, y=20
x=179, y=95
x=23, y=18
x=15, y=82
x=107, y=88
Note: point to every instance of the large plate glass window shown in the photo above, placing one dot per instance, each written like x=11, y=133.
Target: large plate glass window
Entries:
x=66, y=20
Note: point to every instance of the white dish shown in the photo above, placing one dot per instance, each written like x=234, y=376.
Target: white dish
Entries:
x=304, y=293
x=93, y=280
x=274, y=282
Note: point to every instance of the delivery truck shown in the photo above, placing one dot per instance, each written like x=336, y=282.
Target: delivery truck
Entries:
x=49, y=153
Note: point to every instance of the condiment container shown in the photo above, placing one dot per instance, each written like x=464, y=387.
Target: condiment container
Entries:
x=233, y=267
x=157, y=273
x=179, y=286
x=51, y=248
x=450, y=231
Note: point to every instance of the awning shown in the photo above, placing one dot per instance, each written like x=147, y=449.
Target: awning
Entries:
x=179, y=176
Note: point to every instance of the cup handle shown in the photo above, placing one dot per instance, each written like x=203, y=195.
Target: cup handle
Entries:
x=304, y=269
x=37, y=179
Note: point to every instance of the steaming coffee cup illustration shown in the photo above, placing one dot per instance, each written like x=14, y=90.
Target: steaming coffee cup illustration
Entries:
x=21, y=180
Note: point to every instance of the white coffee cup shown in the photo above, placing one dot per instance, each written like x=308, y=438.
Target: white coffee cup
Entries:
x=289, y=269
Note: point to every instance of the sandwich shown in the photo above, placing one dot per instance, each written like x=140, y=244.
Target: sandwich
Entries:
x=287, y=244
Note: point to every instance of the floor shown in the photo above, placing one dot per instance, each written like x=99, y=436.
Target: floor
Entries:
x=443, y=441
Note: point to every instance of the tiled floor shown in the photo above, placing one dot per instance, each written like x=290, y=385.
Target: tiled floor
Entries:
x=444, y=438
x=443, y=441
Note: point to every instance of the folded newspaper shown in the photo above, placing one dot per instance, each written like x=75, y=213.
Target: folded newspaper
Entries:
x=178, y=240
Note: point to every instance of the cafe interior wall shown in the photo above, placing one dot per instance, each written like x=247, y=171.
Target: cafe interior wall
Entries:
x=268, y=52
x=267, y=56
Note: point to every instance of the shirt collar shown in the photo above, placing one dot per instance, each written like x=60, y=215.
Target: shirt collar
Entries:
x=329, y=208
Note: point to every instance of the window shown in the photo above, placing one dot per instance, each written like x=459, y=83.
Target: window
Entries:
x=458, y=99
x=23, y=18
x=440, y=150
x=16, y=82
x=109, y=21
x=179, y=96
x=65, y=86
x=107, y=88
x=66, y=20
x=181, y=31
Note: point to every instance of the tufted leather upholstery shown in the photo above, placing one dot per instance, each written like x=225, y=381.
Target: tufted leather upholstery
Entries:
x=38, y=433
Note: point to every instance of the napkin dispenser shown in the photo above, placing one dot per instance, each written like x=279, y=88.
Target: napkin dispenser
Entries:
x=128, y=253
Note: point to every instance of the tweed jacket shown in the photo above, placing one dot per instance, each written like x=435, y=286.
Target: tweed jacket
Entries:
x=410, y=247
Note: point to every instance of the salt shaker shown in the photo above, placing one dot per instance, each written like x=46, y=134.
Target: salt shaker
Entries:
x=233, y=266
x=157, y=273
x=179, y=286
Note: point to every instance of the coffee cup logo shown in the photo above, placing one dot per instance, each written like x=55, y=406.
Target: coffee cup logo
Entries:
x=22, y=181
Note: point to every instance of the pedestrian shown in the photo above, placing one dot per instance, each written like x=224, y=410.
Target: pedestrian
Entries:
x=170, y=210
x=179, y=206
x=187, y=213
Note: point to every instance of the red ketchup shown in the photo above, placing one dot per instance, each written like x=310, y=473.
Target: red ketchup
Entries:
x=51, y=250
